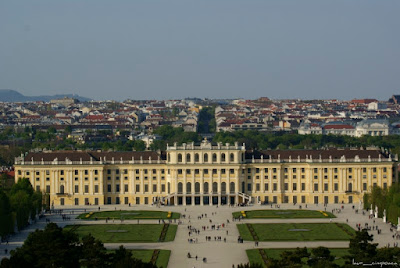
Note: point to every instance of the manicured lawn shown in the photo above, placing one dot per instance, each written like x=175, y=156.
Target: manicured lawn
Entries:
x=285, y=214
x=145, y=256
x=297, y=231
x=255, y=257
x=125, y=233
x=129, y=215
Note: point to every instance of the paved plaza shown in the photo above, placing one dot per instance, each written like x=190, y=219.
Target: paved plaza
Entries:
x=221, y=253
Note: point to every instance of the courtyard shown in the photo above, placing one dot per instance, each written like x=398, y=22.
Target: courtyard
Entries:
x=217, y=253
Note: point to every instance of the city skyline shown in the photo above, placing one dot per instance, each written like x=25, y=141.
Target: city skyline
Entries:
x=140, y=50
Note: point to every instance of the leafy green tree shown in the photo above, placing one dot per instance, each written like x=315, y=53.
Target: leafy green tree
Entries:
x=388, y=254
x=139, y=145
x=50, y=247
x=51, y=130
x=25, y=202
x=68, y=129
x=6, y=217
x=321, y=257
x=294, y=258
x=361, y=249
x=207, y=120
x=21, y=204
x=94, y=254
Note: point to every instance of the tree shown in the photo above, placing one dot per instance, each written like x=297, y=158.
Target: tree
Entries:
x=21, y=204
x=6, y=218
x=25, y=202
x=139, y=145
x=293, y=258
x=94, y=254
x=50, y=247
x=321, y=257
x=388, y=254
x=68, y=129
x=360, y=248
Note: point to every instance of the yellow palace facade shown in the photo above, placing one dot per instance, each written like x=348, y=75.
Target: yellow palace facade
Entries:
x=207, y=174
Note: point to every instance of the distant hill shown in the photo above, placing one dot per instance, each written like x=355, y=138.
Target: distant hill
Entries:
x=9, y=95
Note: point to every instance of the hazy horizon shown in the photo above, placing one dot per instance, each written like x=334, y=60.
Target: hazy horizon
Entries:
x=206, y=49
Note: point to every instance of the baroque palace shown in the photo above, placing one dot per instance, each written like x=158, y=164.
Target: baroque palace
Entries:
x=207, y=174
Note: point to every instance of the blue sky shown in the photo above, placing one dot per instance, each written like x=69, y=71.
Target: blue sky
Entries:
x=208, y=49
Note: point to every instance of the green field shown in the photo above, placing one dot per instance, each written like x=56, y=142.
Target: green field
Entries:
x=129, y=215
x=288, y=232
x=284, y=214
x=145, y=256
x=125, y=233
x=255, y=257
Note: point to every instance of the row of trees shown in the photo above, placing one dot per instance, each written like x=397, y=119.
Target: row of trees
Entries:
x=207, y=122
x=53, y=247
x=29, y=139
x=282, y=140
x=17, y=206
x=388, y=199
x=170, y=135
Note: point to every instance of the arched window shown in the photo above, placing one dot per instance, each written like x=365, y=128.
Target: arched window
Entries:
x=206, y=187
x=189, y=187
x=169, y=187
x=168, y=157
x=232, y=187
x=196, y=158
x=179, y=158
x=187, y=158
x=197, y=187
x=205, y=158
x=243, y=187
x=61, y=189
x=232, y=158
x=223, y=157
x=180, y=188
x=223, y=187
x=350, y=189
x=215, y=187
x=214, y=158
